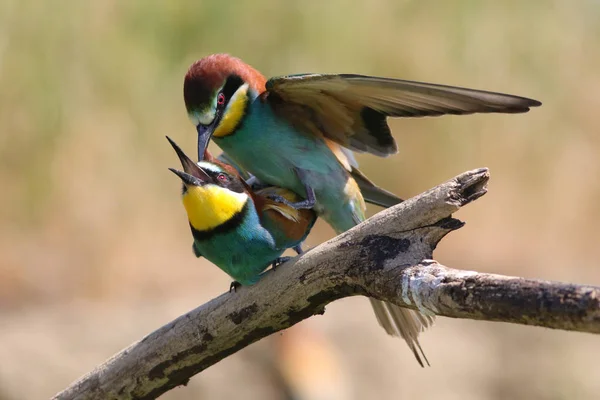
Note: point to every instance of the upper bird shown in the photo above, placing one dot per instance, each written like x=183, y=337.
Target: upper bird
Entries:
x=237, y=229
x=298, y=131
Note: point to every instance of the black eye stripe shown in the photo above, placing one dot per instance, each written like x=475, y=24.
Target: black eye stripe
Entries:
x=232, y=183
x=212, y=174
x=231, y=85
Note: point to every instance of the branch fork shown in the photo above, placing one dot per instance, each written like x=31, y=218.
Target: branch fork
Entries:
x=389, y=257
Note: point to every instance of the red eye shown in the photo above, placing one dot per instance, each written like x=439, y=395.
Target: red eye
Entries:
x=221, y=99
x=222, y=177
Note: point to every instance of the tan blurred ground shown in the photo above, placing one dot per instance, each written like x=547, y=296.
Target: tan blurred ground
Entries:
x=94, y=246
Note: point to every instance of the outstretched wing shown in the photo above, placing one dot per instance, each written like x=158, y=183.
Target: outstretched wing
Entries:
x=351, y=110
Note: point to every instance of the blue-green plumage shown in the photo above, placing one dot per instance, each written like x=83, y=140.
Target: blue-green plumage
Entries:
x=244, y=251
x=257, y=146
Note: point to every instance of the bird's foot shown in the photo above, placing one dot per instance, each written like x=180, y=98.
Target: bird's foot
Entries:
x=304, y=204
x=278, y=261
x=234, y=286
x=251, y=181
x=255, y=184
x=299, y=205
x=298, y=249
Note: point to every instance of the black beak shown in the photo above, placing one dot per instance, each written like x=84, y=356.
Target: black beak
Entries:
x=204, y=134
x=187, y=179
x=189, y=166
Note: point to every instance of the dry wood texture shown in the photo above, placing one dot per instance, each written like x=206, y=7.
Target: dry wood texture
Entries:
x=387, y=257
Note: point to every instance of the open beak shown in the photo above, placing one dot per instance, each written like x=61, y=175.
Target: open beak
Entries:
x=189, y=167
x=187, y=179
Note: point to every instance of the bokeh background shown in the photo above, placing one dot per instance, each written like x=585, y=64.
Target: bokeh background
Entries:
x=95, y=248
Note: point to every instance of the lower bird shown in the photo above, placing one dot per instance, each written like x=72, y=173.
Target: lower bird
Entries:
x=239, y=230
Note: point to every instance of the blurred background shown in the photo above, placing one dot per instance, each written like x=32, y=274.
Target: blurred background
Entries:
x=95, y=250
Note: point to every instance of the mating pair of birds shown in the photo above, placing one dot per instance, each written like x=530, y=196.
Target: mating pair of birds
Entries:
x=296, y=134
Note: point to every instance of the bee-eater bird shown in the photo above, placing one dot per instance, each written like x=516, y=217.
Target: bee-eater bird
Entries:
x=240, y=231
x=298, y=131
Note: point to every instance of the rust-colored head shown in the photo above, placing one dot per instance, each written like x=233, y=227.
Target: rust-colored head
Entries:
x=217, y=90
x=207, y=78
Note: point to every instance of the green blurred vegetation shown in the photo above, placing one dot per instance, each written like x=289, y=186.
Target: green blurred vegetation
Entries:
x=88, y=90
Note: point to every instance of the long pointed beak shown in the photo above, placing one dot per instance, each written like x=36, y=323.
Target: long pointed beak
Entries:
x=189, y=166
x=188, y=179
x=204, y=134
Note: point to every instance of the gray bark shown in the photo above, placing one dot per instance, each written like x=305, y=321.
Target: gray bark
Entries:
x=387, y=257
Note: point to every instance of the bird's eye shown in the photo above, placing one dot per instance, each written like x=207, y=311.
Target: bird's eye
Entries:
x=222, y=177
x=221, y=99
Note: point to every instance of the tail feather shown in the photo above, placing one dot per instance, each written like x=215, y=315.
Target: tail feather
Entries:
x=372, y=193
x=409, y=324
x=404, y=323
x=397, y=321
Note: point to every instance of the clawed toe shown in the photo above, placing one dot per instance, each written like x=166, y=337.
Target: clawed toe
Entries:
x=278, y=261
x=234, y=286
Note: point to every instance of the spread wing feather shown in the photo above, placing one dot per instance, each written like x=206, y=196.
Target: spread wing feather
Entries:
x=351, y=110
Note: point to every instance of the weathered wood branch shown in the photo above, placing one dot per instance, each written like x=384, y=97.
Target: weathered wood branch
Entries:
x=387, y=257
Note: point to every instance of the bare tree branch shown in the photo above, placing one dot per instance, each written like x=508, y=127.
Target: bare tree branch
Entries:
x=387, y=257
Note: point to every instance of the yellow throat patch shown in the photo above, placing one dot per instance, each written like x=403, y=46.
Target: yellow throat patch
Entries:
x=210, y=206
x=233, y=113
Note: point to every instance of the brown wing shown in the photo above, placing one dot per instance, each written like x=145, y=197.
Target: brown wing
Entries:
x=352, y=109
x=295, y=223
x=285, y=211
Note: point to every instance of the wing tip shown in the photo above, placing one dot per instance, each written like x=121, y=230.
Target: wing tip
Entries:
x=523, y=105
x=519, y=108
